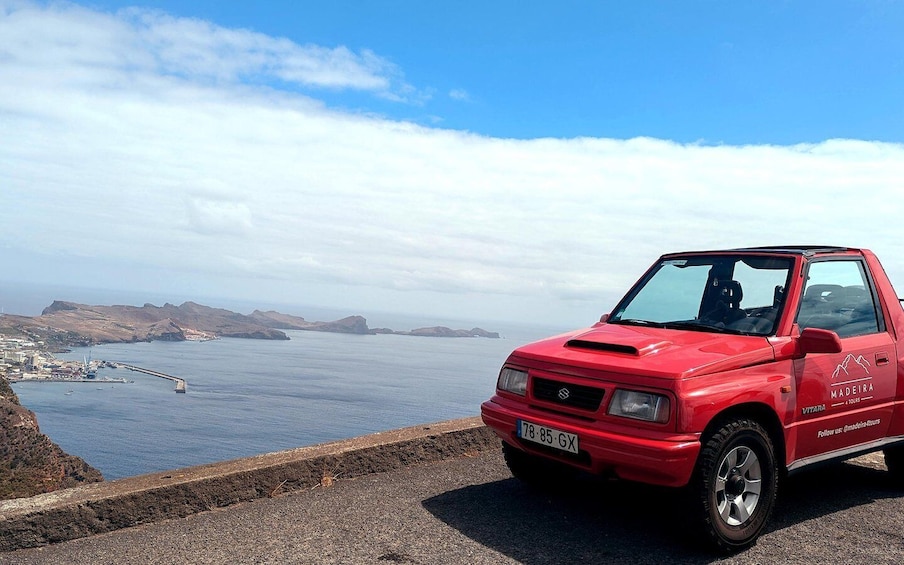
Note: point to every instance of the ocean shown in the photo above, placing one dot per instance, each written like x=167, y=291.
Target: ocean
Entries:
x=247, y=397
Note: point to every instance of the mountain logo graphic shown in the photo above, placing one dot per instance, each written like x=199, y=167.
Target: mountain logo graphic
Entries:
x=846, y=364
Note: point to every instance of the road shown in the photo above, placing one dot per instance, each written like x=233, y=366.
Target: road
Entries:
x=470, y=511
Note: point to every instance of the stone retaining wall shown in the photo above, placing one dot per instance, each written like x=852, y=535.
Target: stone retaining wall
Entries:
x=103, y=507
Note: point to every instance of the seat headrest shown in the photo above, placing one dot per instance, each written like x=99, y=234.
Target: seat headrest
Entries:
x=730, y=291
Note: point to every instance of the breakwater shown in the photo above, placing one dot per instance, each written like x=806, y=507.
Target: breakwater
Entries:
x=181, y=385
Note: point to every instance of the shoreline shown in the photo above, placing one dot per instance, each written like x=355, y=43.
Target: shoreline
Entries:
x=105, y=380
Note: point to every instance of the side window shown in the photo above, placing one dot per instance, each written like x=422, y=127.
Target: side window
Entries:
x=837, y=297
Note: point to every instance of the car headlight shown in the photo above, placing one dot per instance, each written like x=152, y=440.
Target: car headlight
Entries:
x=512, y=380
x=639, y=405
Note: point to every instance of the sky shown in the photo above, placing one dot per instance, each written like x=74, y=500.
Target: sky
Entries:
x=515, y=160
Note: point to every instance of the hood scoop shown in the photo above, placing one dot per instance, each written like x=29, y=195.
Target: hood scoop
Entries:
x=599, y=346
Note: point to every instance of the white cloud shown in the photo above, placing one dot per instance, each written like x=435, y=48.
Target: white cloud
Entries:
x=459, y=94
x=66, y=36
x=111, y=150
x=197, y=48
x=218, y=218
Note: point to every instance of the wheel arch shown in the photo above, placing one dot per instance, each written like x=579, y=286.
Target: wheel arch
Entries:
x=761, y=413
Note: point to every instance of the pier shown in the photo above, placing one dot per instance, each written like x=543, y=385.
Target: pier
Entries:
x=180, y=383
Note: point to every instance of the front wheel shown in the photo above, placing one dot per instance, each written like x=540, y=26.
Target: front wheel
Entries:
x=735, y=484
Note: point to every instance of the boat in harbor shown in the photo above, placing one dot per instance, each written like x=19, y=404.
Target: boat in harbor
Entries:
x=90, y=372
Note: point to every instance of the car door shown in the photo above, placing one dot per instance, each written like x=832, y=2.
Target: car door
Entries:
x=844, y=400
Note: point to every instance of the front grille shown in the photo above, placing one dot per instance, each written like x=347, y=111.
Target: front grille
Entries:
x=567, y=394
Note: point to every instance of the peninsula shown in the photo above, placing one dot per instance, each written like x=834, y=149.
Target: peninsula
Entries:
x=66, y=324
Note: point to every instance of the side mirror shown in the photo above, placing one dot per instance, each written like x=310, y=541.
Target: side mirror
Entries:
x=815, y=340
x=603, y=318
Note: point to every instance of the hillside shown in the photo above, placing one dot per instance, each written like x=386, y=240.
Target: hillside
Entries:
x=349, y=325
x=67, y=323
x=30, y=463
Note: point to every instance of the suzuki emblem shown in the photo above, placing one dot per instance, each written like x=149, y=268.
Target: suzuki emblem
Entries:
x=564, y=393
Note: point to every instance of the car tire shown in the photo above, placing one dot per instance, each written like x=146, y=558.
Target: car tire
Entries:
x=537, y=472
x=894, y=460
x=735, y=485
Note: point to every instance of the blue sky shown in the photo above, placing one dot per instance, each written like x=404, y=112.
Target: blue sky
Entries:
x=484, y=161
x=702, y=71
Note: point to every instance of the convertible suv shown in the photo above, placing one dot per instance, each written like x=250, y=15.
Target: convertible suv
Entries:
x=719, y=372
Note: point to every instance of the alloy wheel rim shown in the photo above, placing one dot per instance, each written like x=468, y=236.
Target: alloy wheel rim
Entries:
x=739, y=482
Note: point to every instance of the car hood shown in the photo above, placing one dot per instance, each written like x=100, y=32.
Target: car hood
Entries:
x=653, y=352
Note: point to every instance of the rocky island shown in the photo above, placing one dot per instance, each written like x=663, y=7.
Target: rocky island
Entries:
x=65, y=324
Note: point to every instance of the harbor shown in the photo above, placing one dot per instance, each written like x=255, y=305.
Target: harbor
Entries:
x=22, y=360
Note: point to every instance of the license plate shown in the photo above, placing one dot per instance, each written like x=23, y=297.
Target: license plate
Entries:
x=549, y=437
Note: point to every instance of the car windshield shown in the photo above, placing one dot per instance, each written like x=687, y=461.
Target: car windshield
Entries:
x=731, y=294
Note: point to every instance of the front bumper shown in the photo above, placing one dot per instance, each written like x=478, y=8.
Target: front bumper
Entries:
x=663, y=459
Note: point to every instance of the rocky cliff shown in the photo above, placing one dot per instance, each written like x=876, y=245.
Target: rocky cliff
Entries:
x=30, y=463
x=67, y=323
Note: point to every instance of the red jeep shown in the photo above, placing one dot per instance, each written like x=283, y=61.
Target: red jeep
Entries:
x=720, y=372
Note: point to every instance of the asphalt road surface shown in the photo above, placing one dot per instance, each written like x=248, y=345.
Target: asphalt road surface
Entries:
x=471, y=511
